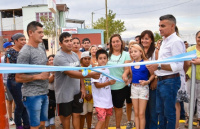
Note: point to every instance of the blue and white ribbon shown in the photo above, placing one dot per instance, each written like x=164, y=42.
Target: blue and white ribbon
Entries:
x=27, y=68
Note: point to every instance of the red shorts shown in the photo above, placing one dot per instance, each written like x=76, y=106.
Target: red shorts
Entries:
x=102, y=113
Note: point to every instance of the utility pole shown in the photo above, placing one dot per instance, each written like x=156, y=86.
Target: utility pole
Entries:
x=92, y=19
x=106, y=22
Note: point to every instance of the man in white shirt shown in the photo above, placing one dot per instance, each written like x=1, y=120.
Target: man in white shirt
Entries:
x=168, y=74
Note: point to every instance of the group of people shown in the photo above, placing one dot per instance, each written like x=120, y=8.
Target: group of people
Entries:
x=154, y=91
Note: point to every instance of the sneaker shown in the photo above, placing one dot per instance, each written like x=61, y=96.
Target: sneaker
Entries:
x=129, y=125
x=26, y=126
x=11, y=121
x=19, y=127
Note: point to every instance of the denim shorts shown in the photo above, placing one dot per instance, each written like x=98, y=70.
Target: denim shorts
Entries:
x=37, y=108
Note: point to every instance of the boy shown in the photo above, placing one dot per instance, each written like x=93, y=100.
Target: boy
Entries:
x=88, y=101
x=102, y=92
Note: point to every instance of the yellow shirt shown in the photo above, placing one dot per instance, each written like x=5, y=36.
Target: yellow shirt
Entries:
x=197, y=66
x=88, y=87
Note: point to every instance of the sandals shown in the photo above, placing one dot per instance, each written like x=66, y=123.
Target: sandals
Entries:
x=186, y=121
x=198, y=124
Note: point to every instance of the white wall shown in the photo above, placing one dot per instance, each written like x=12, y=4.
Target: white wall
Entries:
x=8, y=24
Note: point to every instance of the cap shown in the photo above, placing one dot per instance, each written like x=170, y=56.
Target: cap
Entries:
x=17, y=36
x=7, y=44
x=100, y=46
x=85, y=54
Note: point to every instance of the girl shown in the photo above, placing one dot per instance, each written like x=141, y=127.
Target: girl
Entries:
x=140, y=81
x=50, y=124
x=88, y=101
x=93, y=49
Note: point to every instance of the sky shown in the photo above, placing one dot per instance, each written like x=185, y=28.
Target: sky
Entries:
x=138, y=15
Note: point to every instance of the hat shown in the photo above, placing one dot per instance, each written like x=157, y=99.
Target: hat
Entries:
x=7, y=44
x=17, y=36
x=85, y=54
x=100, y=46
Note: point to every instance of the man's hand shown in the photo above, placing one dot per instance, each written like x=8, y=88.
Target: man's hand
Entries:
x=43, y=76
x=95, y=75
x=152, y=68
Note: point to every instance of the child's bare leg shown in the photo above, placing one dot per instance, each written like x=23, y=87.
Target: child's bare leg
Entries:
x=82, y=121
x=142, y=109
x=135, y=103
x=99, y=124
x=106, y=122
x=89, y=119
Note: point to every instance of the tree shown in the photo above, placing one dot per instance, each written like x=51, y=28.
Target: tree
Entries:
x=114, y=26
x=49, y=26
x=157, y=36
x=49, y=29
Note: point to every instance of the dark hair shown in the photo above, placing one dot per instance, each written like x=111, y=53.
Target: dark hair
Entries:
x=185, y=41
x=64, y=35
x=197, y=33
x=76, y=38
x=152, y=46
x=101, y=51
x=33, y=26
x=176, y=30
x=85, y=39
x=138, y=36
x=111, y=48
x=51, y=56
x=168, y=17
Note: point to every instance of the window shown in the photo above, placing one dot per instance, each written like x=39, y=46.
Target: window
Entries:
x=46, y=14
x=45, y=41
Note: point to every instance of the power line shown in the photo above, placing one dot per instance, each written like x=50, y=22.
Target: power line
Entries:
x=157, y=9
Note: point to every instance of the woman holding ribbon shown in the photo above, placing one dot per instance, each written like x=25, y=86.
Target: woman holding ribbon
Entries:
x=147, y=41
x=119, y=90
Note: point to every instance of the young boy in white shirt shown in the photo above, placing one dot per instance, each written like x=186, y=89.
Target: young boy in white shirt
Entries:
x=102, y=92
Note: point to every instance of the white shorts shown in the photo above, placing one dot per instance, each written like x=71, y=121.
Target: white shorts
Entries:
x=87, y=107
x=140, y=92
x=50, y=122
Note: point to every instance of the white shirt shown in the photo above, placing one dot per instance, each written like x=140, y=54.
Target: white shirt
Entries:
x=171, y=46
x=102, y=97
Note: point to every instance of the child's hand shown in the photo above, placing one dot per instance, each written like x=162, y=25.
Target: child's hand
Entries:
x=143, y=82
x=125, y=78
x=111, y=82
x=88, y=97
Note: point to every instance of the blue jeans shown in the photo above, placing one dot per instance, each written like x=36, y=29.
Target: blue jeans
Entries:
x=151, y=114
x=37, y=108
x=165, y=102
x=20, y=111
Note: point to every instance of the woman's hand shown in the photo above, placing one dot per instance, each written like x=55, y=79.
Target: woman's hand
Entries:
x=143, y=82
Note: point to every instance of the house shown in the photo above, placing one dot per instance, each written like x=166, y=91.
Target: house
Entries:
x=16, y=20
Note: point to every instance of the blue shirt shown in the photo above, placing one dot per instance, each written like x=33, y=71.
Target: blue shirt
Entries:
x=139, y=74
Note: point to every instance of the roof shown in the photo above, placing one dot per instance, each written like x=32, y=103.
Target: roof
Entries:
x=75, y=21
x=60, y=7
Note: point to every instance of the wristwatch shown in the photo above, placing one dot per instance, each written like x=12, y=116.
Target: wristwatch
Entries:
x=159, y=66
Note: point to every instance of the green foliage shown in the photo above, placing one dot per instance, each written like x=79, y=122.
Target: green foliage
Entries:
x=49, y=26
x=157, y=36
x=114, y=26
